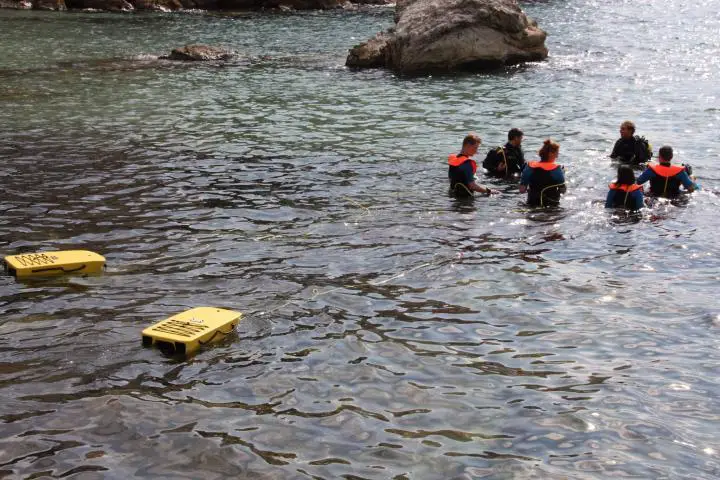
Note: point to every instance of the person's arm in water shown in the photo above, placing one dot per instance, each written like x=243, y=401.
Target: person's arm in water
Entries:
x=689, y=185
x=558, y=176
x=521, y=159
x=479, y=188
x=610, y=199
x=470, y=181
x=525, y=179
x=645, y=176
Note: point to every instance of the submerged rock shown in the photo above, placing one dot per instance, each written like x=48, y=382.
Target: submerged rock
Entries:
x=281, y=4
x=49, y=5
x=108, y=5
x=158, y=5
x=16, y=4
x=446, y=35
x=195, y=53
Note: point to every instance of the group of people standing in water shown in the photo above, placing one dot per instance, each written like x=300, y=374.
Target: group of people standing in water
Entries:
x=544, y=180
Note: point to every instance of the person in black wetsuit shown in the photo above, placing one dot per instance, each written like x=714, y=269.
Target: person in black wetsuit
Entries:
x=462, y=168
x=630, y=148
x=507, y=161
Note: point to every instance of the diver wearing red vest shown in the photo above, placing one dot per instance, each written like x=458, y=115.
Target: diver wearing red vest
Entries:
x=462, y=168
x=625, y=193
x=544, y=181
x=665, y=179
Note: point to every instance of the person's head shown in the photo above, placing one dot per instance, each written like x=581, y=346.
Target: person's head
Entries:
x=627, y=129
x=625, y=175
x=515, y=136
x=471, y=143
x=549, y=151
x=665, y=154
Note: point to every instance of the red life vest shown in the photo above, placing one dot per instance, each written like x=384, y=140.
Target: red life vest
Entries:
x=625, y=188
x=667, y=170
x=547, y=166
x=457, y=160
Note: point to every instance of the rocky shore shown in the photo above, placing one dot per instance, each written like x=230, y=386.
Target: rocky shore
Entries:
x=172, y=5
x=428, y=35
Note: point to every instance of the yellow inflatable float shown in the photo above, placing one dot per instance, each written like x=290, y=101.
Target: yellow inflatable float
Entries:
x=186, y=332
x=54, y=263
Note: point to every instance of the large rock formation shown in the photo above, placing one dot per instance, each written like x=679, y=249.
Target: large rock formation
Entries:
x=445, y=35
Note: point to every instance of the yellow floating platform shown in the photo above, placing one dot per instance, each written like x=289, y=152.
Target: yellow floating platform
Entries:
x=54, y=263
x=186, y=332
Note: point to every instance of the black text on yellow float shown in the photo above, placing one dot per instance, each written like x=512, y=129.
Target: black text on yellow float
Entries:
x=186, y=332
x=54, y=263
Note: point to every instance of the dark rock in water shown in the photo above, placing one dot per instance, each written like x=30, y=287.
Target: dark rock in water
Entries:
x=281, y=4
x=453, y=35
x=16, y=4
x=108, y=5
x=158, y=5
x=370, y=54
x=195, y=53
x=58, y=5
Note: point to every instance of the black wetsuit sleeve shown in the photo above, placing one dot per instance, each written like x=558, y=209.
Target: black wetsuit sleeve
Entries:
x=516, y=158
x=641, y=154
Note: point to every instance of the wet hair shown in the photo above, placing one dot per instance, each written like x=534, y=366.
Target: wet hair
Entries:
x=666, y=152
x=548, y=147
x=472, y=139
x=514, y=133
x=628, y=124
x=625, y=175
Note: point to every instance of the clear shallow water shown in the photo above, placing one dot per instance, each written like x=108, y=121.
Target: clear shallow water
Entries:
x=391, y=332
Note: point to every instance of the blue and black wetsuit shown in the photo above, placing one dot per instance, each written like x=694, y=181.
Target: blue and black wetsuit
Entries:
x=629, y=197
x=665, y=180
x=461, y=173
x=545, y=182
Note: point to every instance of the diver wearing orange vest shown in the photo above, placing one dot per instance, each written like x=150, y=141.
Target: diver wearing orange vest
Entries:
x=544, y=181
x=625, y=193
x=462, y=168
x=665, y=179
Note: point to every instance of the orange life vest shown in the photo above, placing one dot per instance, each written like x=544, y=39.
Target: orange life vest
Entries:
x=625, y=188
x=457, y=160
x=666, y=181
x=667, y=170
x=547, y=166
